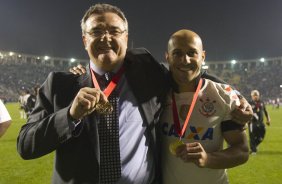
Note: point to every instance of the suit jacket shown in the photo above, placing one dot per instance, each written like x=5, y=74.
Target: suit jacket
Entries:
x=49, y=127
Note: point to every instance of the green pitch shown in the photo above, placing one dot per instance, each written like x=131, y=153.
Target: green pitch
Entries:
x=263, y=168
x=15, y=170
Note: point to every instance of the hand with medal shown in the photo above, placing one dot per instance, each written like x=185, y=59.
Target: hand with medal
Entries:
x=193, y=152
x=86, y=101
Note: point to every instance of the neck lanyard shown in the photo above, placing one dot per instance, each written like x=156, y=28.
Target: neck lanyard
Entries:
x=111, y=86
x=176, y=121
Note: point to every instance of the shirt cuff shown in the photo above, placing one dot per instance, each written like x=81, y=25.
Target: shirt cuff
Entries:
x=76, y=126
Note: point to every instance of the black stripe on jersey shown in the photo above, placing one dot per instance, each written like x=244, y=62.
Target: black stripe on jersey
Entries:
x=231, y=125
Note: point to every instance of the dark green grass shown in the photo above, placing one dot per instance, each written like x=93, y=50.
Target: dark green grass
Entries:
x=263, y=168
x=13, y=169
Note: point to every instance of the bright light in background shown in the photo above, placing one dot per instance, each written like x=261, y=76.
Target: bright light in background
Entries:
x=233, y=61
x=19, y=56
x=38, y=58
x=72, y=60
x=204, y=63
x=205, y=67
x=11, y=53
x=280, y=86
x=46, y=58
x=262, y=60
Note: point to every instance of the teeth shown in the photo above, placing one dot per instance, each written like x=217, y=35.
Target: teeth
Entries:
x=185, y=69
x=104, y=49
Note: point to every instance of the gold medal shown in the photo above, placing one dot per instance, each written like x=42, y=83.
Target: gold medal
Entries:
x=174, y=145
x=104, y=108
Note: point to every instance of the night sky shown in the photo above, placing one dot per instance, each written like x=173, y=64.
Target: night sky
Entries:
x=230, y=29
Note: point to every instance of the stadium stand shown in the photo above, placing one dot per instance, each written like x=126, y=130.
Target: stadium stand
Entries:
x=264, y=75
x=23, y=71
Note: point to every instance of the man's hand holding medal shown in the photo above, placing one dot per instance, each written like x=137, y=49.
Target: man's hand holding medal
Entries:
x=93, y=99
x=192, y=152
x=88, y=100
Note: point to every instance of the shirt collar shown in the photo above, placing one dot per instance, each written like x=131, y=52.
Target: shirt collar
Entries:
x=101, y=72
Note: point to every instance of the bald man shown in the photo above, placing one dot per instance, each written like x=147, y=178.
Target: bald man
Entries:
x=197, y=119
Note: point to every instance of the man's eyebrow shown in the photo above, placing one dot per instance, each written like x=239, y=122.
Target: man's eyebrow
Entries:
x=176, y=50
x=105, y=27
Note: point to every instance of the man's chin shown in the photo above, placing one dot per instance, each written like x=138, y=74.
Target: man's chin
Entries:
x=185, y=80
x=107, y=58
x=108, y=63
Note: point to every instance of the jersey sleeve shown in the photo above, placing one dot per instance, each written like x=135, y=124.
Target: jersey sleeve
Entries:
x=229, y=98
x=4, y=114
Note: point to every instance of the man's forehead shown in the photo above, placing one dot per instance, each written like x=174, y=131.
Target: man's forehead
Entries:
x=104, y=19
x=182, y=43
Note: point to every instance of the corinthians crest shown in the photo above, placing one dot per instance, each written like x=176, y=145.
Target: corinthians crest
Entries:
x=207, y=108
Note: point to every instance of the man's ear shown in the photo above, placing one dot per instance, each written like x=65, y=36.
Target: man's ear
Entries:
x=84, y=42
x=203, y=55
x=166, y=56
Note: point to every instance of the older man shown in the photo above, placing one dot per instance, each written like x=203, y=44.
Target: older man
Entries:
x=100, y=124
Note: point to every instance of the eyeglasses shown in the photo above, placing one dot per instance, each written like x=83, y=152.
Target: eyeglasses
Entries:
x=102, y=32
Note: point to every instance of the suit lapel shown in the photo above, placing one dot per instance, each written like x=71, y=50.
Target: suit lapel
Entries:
x=85, y=79
x=91, y=121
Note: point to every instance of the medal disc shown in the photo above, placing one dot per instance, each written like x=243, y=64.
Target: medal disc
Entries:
x=174, y=145
x=105, y=108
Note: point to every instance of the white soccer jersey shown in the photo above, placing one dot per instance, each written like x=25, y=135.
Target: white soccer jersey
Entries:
x=4, y=115
x=213, y=106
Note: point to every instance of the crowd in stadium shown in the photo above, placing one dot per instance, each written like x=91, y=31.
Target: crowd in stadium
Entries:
x=17, y=76
x=266, y=79
x=23, y=76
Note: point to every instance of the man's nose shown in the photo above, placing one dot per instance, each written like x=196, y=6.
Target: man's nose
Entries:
x=186, y=59
x=106, y=37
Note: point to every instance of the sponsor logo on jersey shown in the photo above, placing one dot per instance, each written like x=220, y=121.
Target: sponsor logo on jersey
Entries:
x=192, y=132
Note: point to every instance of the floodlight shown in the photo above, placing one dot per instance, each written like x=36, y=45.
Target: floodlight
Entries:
x=46, y=58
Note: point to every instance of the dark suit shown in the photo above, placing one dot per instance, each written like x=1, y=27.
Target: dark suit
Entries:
x=50, y=128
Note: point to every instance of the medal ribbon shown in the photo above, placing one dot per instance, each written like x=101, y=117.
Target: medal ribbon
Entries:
x=111, y=86
x=179, y=131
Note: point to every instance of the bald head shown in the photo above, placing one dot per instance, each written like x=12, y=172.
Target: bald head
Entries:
x=185, y=36
x=185, y=56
